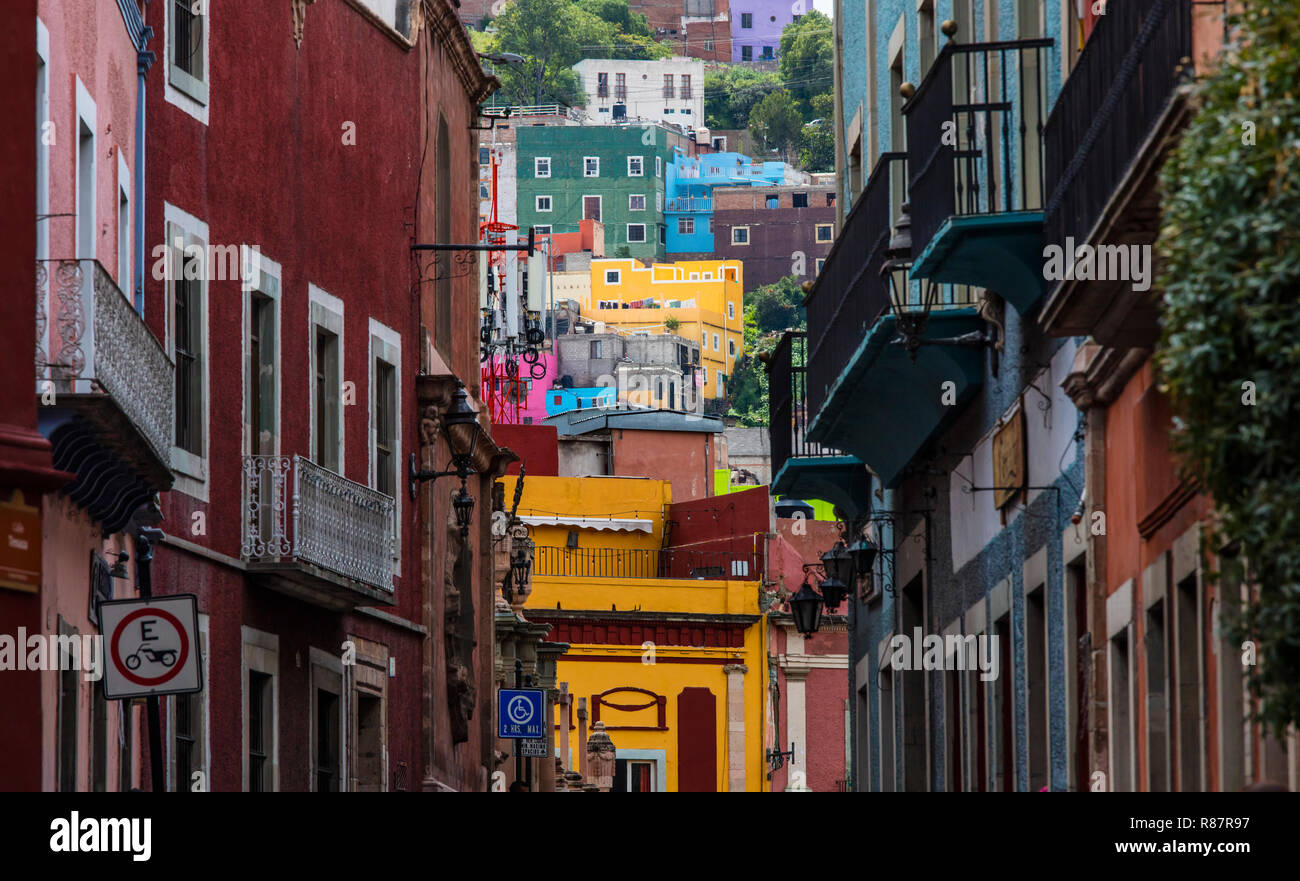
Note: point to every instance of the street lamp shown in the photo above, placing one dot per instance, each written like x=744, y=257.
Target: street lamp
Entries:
x=806, y=608
x=521, y=561
x=461, y=428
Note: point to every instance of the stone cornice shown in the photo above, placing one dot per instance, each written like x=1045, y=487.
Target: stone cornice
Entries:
x=802, y=663
x=442, y=20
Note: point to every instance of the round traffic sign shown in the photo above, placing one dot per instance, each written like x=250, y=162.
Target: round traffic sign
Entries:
x=171, y=660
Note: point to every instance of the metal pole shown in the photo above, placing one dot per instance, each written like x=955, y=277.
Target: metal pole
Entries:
x=144, y=548
x=519, y=759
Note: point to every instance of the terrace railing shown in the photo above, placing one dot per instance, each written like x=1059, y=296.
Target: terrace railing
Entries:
x=647, y=563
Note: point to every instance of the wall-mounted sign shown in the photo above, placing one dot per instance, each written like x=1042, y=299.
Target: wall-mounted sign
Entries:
x=1009, y=459
x=20, y=544
x=152, y=646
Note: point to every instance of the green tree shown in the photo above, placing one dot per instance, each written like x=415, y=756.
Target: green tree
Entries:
x=807, y=57
x=776, y=124
x=1230, y=268
x=731, y=92
x=770, y=310
x=549, y=35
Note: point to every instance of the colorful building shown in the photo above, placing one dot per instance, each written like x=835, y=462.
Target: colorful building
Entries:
x=692, y=181
x=700, y=300
x=615, y=174
x=776, y=231
x=663, y=90
x=666, y=645
x=756, y=27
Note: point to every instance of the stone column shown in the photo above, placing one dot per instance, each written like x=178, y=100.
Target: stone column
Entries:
x=582, y=736
x=563, y=705
x=735, y=726
x=796, y=720
x=601, y=758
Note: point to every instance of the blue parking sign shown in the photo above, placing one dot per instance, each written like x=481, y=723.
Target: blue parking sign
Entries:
x=520, y=713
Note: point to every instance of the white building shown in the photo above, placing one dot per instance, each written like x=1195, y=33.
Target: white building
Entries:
x=669, y=90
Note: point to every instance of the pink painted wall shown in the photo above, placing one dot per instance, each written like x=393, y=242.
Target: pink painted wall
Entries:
x=535, y=403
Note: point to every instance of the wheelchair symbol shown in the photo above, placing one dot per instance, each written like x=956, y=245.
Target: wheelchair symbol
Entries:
x=519, y=709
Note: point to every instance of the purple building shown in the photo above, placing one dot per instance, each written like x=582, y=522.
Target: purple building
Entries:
x=756, y=27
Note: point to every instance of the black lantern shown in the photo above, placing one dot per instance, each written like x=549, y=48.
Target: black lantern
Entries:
x=839, y=566
x=521, y=561
x=833, y=592
x=806, y=608
x=462, y=430
x=463, y=503
x=863, y=552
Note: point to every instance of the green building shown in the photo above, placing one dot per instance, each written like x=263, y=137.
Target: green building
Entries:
x=611, y=173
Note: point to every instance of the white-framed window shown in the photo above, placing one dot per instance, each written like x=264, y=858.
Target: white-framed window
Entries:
x=740, y=235
x=731, y=310
x=386, y=418
x=261, y=706
x=87, y=173
x=543, y=203
x=261, y=361
x=186, y=284
x=659, y=201
x=636, y=166
x=325, y=380
x=123, y=225
x=613, y=276
x=685, y=226
x=820, y=262
x=825, y=232
x=636, y=202
x=43, y=125
x=591, y=166
x=189, y=734
x=187, y=27
x=715, y=342
x=328, y=722
x=542, y=230
x=659, y=166
x=636, y=232
x=542, y=166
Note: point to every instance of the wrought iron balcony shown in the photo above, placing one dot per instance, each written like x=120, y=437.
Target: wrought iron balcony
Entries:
x=647, y=563
x=96, y=356
x=976, y=155
x=315, y=534
x=1107, y=133
x=849, y=295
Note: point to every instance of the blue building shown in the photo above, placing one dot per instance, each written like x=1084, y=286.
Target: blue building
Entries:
x=927, y=404
x=688, y=209
x=562, y=400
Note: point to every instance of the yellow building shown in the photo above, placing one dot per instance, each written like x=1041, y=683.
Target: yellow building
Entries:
x=669, y=653
x=705, y=297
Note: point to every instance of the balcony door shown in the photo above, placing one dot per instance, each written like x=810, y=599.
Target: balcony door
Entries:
x=591, y=208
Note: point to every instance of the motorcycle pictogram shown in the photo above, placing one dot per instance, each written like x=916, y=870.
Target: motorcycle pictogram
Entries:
x=166, y=657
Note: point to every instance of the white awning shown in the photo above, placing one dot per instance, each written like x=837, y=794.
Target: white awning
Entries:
x=613, y=524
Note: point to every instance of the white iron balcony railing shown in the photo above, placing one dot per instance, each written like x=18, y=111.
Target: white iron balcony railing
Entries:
x=91, y=344
x=297, y=512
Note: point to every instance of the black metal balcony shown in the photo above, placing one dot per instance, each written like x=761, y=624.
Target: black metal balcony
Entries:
x=849, y=295
x=1108, y=128
x=976, y=155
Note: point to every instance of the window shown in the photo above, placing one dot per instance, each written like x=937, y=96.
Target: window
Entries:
x=830, y=200
x=542, y=166
x=597, y=351
x=685, y=110
x=747, y=21
x=260, y=375
x=685, y=226
x=187, y=301
x=825, y=232
x=686, y=87
x=187, y=742
x=659, y=166
x=543, y=203
x=659, y=201
x=385, y=427
x=799, y=200
x=620, y=87
x=327, y=741
x=636, y=232
x=484, y=156
x=591, y=207
x=602, y=85
x=767, y=53
x=820, y=262
x=612, y=276
x=740, y=235
x=123, y=227
x=635, y=166
x=187, y=60
x=731, y=310
x=663, y=234
x=542, y=230
x=925, y=29
x=636, y=203
x=708, y=45
x=591, y=166
x=669, y=91
x=746, y=53
x=715, y=342
x=261, y=736
x=326, y=384
x=773, y=202
x=731, y=348
x=668, y=110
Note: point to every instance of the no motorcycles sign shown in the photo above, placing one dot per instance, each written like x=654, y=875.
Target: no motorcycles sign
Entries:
x=152, y=646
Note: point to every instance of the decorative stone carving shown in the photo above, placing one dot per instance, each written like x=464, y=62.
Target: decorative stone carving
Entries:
x=601, y=756
x=458, y=630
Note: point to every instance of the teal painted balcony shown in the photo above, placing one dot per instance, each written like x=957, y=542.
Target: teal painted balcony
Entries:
x=976, y=152
x=802, y=469
x=879, y=357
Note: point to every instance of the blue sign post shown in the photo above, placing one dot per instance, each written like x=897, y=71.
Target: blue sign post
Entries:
x=520, y=713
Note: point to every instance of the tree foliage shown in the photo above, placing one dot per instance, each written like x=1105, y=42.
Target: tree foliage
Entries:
x=776, y=124
x=1230, y=271
x=807, y=57
x=731, y=92
x=770, y=310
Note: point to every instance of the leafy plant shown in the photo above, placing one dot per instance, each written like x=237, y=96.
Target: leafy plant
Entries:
x=1230, y=270
x=672, y=323
x=776, y=124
